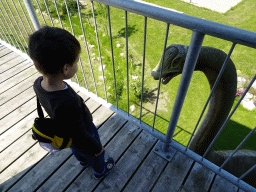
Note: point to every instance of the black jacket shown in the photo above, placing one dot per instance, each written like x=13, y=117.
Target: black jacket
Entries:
x=72, y=116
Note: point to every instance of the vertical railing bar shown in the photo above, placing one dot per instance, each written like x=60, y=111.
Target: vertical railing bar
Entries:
x=40, y=11
x=12, y=26
x=47, y=9
x=87, y=49
x=239, y=146
x=79, y=55
x=96, y=30
x=112, y=53
x=25, y=16
x=56, y=7
x=187, y=72
x=8, y=34
x=159, y=82
x=246, y=173
x=17, y=44
x=7, y=40
x=17, y=26
x=2, y=36
x=213, y=89
x=215, y=138
x=143, y=67
x=20, y=17
x=127, y=62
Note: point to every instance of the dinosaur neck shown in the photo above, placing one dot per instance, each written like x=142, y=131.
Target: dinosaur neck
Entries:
x=210, y=61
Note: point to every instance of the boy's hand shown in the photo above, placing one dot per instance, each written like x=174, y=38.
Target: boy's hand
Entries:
x=100, y=152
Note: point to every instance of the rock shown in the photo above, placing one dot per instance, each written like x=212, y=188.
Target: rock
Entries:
x=248, y=104
x=132, y=108
x=254, y=85
x=100, y=68
x=134, y=77
x=241, y=80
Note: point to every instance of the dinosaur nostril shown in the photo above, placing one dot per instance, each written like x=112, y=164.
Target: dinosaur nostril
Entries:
x=155, y=75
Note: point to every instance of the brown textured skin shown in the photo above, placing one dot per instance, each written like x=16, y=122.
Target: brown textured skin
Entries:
x=210, y=61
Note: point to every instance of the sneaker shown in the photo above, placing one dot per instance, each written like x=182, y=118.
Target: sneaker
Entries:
x=84, y=164
x=109, y=166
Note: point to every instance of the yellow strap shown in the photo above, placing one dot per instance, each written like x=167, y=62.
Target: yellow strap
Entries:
x=69, y=143
x=41, y=134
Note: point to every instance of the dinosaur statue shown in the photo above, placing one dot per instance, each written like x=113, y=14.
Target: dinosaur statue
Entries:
x=210, y=61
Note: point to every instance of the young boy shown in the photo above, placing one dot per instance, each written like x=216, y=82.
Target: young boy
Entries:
x=55, y=54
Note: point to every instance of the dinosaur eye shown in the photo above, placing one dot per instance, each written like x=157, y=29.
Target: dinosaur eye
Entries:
x=178, y=63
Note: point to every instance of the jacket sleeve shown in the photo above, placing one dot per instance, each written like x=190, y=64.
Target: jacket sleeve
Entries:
x=71, y=121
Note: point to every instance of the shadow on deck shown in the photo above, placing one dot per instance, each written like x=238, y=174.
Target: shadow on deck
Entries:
x=27, y=167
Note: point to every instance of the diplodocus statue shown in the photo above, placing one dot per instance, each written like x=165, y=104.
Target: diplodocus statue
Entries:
x=210, y=61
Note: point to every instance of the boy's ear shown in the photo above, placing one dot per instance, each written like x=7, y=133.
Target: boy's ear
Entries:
x=65, y=69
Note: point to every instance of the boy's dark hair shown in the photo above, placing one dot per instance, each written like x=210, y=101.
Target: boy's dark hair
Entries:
x=51, y=48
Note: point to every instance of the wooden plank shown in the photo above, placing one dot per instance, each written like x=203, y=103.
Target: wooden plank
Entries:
x=2, y=47
x=15, y=70
x=17, y=115
x=223, y=185
x=17, y=79
x=12, y=134
x=20, y=167
x=83, y=95
x=62, y=177
x=17, y=101
x=199, y=179
x=98, y=117
x=16, y=90
x=111, y=127
x=114, y=149
x=174, y=174
x=13, y=152
x=92, y=104
x=41, y=172
x=4, y=52
x=8, y=57
x=11, y=63
x=240, y=190
x=147, y=174
x=128, y=163
x=72, y=167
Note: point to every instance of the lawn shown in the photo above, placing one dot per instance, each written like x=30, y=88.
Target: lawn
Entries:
x=241, y=16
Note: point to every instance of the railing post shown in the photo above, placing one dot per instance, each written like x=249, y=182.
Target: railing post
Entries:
x=189, y=66
x=32, y=14
x=164, y=149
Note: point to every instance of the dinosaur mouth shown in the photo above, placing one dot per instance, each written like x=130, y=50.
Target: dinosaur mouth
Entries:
x=169, y=77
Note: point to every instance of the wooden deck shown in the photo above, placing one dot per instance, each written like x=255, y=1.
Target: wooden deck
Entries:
x=24, y=166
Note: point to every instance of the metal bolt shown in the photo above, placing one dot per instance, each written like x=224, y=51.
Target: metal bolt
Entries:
x=168, y=156
x=156, y=149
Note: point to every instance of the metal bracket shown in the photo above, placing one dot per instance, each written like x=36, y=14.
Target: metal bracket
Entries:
x=167, y=155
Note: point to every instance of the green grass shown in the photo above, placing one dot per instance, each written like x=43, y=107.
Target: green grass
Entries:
x=241, y=16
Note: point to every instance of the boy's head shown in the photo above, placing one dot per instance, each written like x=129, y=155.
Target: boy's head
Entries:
x=51, y=48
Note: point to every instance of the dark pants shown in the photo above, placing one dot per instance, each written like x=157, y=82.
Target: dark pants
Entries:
x=97, y=163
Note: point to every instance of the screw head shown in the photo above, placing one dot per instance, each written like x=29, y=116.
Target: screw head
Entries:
x=156, y=149
x=168, y=156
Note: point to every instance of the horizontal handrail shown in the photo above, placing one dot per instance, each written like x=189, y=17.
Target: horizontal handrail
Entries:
x=215, y=29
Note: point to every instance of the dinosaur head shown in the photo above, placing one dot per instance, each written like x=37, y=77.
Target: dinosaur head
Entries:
x=173, y=64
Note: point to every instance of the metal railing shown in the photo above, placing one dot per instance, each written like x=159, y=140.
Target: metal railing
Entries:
x=15, y=27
